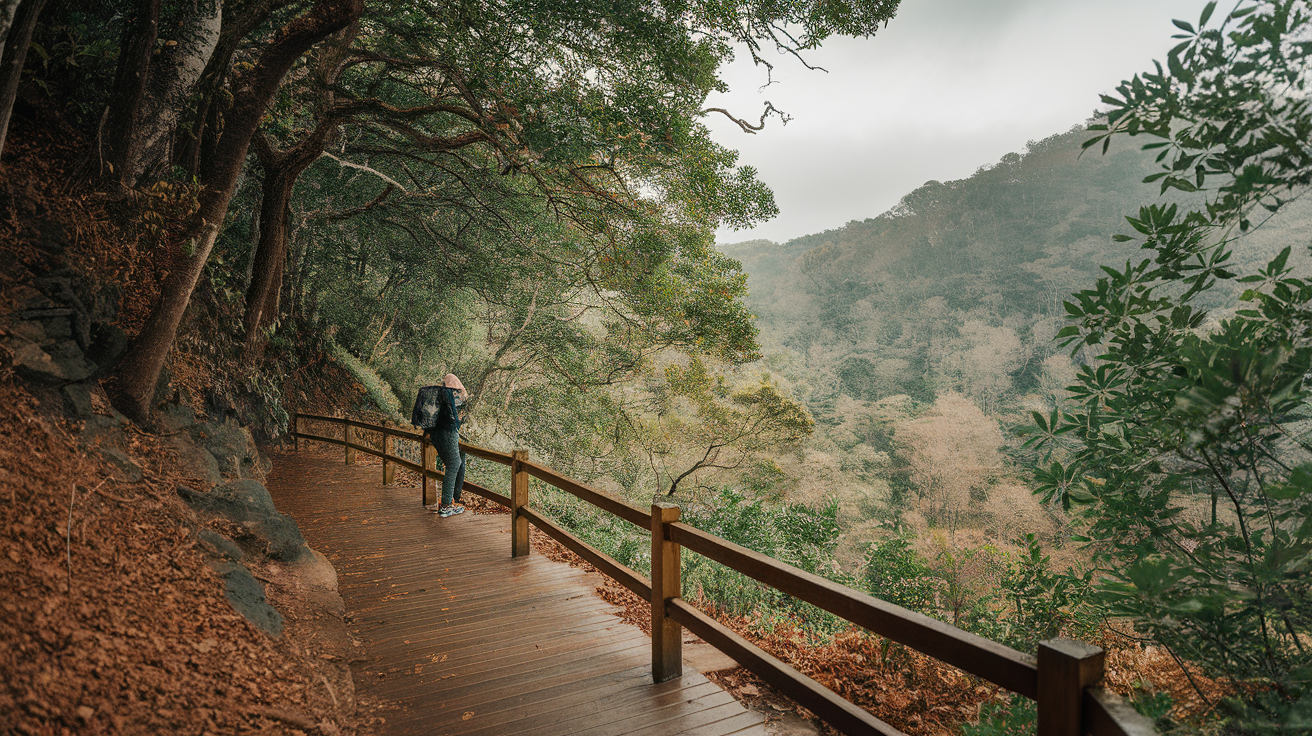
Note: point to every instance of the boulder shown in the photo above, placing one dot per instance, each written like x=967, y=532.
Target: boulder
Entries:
x=246, y=596
x=219, y=546
x=77, y=398
x=130, y=470
x=59, y=362
x=268, y=532
x=233, y=448
x=196, y=461
x=104, y=431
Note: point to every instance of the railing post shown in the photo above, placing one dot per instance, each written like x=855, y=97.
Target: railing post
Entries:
x=348, y=434
x=518, y=500
x=1065, y=668
x=389, y=469
x=428, y=459
x=666, y=634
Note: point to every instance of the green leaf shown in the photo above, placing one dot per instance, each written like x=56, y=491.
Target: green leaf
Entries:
x=1207, y=13
x=1184, y=26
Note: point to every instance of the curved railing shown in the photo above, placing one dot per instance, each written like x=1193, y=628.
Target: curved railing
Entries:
x=1062, y=679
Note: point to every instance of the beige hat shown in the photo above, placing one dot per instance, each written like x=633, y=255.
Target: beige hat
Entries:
x=450, y=381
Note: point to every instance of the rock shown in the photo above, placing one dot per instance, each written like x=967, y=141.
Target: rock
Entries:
x=54, y=321
x=316, y=571
x=29, y=331
x=61, y=362
x=196, y=461
x=104, y=431
x=247, y=596
x=131, y=471
x=77, y=397
x=219, y=546
x=174, y=418
x=233, y=448
x=247, y=502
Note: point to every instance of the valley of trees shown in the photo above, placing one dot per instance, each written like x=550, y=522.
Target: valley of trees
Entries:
x=1063, y=396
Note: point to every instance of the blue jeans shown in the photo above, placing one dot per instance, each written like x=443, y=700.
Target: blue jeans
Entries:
x=447, y=443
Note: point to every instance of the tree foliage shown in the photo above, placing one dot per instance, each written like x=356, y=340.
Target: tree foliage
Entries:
x=1185, y=444
x=702, y=422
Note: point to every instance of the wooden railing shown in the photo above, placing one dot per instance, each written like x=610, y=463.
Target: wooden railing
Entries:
x=1062, y=679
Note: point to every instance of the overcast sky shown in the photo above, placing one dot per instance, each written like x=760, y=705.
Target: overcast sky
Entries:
x=948, y=86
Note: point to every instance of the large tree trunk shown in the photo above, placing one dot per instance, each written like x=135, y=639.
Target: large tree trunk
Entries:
x=281, y=169
x=171, y=87
x=151, y=92
x=252, y=91
x=13, y=58
x=129, y=90
x=239, y=19
x=7, y=10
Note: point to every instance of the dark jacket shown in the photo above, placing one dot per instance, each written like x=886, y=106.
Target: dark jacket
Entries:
x=435, y=408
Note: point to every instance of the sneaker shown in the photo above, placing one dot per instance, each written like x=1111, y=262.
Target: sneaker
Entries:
x=451, y=510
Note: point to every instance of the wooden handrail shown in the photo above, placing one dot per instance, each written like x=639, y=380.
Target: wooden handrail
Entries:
x=1068, y=704
x=822, y=701
x=981, y=657
x=600, y=499
x=1106, y=714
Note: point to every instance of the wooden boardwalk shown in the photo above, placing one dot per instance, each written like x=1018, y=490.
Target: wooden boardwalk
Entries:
x=464, y=639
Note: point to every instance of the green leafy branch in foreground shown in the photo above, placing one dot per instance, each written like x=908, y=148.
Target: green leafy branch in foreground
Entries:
x=1185, y=445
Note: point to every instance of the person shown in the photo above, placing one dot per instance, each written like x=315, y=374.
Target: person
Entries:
x=445, y=436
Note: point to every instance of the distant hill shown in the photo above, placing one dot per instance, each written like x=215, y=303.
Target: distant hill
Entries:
x=958, y=287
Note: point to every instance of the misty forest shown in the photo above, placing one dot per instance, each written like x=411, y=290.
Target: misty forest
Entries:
x=1068, y=397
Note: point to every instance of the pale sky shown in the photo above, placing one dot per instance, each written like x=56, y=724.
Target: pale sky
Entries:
x=948, y=86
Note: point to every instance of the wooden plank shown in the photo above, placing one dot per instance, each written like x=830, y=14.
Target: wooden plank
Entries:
x=822, y=701
x=483, y=452
x=588, y=710
x=705, y=720
x=397, y=639
x=317, y=438
x=981, y=657
x=673, y=716
x=365, y=449
x=621, y=574
x=527, y=642
x=600, y=499
x=747, y=723
x=634, y=683
x=507, y=657
x=493, y=719
x=538, y=675
x=1106, y=714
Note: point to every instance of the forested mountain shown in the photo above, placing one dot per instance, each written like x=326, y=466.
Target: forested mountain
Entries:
x=960, y=286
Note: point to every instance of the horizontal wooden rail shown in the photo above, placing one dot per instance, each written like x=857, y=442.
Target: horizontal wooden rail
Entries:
x=486, y=454
x=600, y=499
x=317, y=438
x=1106, y=714
x=488, y=494
x=621, y=574
x=1067, y=704
x=981, y=657
x=390, y=458
x=834, y=709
